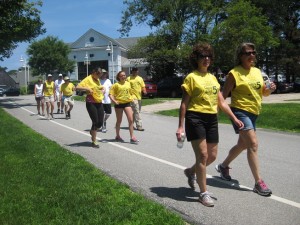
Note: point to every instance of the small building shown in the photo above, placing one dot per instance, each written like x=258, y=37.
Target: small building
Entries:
x=94, y=49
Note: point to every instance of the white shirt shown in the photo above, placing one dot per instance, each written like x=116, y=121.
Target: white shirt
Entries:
x=57, y=84
x=107, y=85
x=39, y=90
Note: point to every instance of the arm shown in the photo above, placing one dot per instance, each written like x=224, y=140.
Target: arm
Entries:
x=35, y=90
x=113, y=99
x=182, y=111
x=228, y=86
x=268, y=91
x=144, y=90
x=226, y=109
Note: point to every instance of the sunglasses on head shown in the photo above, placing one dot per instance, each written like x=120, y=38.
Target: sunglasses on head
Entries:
x=249, y=53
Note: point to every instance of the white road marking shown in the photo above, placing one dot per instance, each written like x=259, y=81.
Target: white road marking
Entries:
x=274, y=197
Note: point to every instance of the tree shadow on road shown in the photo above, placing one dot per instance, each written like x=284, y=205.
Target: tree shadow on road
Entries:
x=178, y=194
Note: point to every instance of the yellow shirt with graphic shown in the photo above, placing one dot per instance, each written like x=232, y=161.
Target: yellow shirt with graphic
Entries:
x=203, y=90
x=49, y=88
x=137, y=83
x=247, y=95
x=122, y=92
x=96, y=86
x=67, y=89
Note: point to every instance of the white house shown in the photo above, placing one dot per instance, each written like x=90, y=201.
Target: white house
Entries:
x=94, y=49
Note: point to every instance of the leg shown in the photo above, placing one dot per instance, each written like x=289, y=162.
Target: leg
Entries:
x=136, y=114
x=43, y=106
x=235, y=151
x=38, y=106
x=128, y=112
x=119, y=115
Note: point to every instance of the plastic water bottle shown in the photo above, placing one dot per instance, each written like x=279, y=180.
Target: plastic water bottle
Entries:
x=268, y=84
x=180, y=143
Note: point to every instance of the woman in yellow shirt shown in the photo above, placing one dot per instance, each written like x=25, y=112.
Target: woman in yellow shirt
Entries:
x=199, y=107
x=91, y=84
x=120, y=94
x=246, y=85
x=49, y=96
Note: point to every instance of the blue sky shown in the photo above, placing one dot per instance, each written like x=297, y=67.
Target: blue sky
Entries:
x=69, y=19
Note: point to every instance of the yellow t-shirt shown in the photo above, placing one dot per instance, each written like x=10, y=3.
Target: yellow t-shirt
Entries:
x=96, y=86
x=203, y=89
x=121, y=92
x=67, y=89
x=49, y=88
x=247, y=95
x=137, y=83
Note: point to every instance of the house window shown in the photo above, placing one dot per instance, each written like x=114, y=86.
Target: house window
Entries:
x=91, y=55
x=92, y=39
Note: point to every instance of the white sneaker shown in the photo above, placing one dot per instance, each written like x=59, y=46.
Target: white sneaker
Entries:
x=205, y=199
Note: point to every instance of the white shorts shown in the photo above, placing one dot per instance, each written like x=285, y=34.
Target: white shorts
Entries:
x=57, y=96
x=68, y=100
x=49, y=98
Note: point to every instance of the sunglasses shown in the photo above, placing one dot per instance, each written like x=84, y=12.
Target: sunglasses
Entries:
x=200, y=56
x=249, y=53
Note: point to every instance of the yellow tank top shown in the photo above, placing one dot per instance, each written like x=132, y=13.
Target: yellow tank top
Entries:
x=49, y=88
x=203, y=89
x=247, y=95
x=121, y=92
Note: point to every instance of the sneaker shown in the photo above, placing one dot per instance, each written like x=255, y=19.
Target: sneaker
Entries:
x=191, y=178
x=58, y=111
x=140, y=129
x=95, y=145
x=205, y=199
x=224, y=172
x=134, y=141
x=69, y=114
x=52, y=117
x=119, y=139
x=62, y=111
x=261, y=188
x=104, y=130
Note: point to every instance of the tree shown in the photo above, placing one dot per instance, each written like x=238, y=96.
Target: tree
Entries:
x=19, y=22
x=49, y=55
x=243, y=23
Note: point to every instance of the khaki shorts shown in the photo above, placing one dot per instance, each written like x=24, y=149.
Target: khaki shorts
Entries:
x=68, y=100
x=49, y=98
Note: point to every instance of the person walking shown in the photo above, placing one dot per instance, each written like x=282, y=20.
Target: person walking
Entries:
x=246, y=85
x=199, y=109
x=66, y=92
x=49, y=96
x=137, y=86
x=120, y=95
x=58, y=83
x=91, y=84
x=39, y=97
x=106, y=83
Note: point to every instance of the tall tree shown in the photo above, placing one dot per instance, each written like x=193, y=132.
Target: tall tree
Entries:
x=19, y=22
x=243, y=23
x=49, y=55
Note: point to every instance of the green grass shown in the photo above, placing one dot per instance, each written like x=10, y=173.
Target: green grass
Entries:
x=43, y=183
x=281, y=116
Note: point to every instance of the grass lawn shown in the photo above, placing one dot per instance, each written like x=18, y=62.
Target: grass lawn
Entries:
x=281, y=116
x=43, y=183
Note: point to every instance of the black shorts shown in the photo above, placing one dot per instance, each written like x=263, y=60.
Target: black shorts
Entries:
x=96, y=114
x=201, y=126
x=122, y=106
x=107, y=108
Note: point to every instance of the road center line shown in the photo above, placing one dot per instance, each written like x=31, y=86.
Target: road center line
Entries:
x=273, y=197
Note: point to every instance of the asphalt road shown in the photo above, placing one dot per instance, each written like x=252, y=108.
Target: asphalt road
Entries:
x=155, y=166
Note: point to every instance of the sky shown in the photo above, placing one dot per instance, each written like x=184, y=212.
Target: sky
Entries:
x=70, y=19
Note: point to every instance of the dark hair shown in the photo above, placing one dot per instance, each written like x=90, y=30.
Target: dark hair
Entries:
x=134, y=69
x=240, y=50
x=199, y=50
x=97, y=70
x=117, y=77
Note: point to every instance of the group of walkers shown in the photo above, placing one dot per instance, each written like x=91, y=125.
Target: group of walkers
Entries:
x=60, y=90
x=197, y=115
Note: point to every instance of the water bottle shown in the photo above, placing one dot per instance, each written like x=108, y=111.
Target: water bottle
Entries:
x=180, y=143
x=268, y=84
